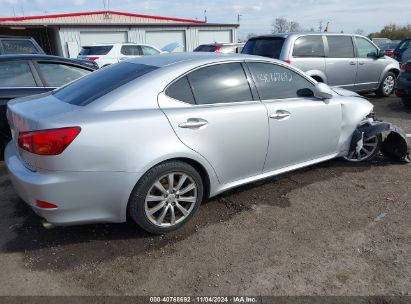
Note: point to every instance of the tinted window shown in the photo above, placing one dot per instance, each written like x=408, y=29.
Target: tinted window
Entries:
x=309, y=46
x=97, y=84
x=220, y=83
x=16, y=74
x=340, y=47
x=18, y=47
x=95, y=50
x=266, y=46
x=404, y=45
x=365, y=49
x=131, y=50
x=181, y=90
x=205, y=48
x=58, y=74
x=149, y=50
x=277, y=82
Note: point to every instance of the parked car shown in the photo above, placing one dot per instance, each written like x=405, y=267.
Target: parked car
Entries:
x=351, y=62
x=19, y=45
x=403, y=88
x=225, y=48
x=388, y=48
x=23, y=75
x=402, y=47
x=107, y=54
x=153, y=136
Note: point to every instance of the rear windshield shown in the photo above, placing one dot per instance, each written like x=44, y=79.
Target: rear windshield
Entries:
x=95, y=50
x=15, y=46
x=264, y=46
x=205, y=48
x=89, y=88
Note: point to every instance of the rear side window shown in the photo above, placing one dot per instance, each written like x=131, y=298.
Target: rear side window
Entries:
x=277, y=82
x=85, y=90
x=181, y=90
x=18, y=47
x=131, y=50
x=205, y=48
x=220, y=84
x=16, y=74
x=58, y=74
x=265, y=46
x=309, y=46
x=340, y=47
x=95, y=50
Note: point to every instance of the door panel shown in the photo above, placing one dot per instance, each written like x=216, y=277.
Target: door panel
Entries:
x=233, y=137
x=301, y=130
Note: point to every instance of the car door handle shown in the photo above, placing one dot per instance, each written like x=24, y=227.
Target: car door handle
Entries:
x=281, y=114
x=193, y=123
x=352, y=63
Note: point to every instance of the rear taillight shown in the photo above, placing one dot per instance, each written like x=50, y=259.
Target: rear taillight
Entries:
x=47, y=142
x=287, y=61
x=389, y=53
x=406, y=67
x=217, y=49
x=92, y=58
x=45, y=205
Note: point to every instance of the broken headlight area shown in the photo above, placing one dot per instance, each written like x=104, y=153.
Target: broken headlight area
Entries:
x=393, y=146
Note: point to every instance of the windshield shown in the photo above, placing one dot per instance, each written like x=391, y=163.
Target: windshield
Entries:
x=89, y=88
x=95, y=50
x=264, y=46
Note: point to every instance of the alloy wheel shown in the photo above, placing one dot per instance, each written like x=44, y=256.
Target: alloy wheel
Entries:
x=170, y=199
x=370, y=145
x=388, y=85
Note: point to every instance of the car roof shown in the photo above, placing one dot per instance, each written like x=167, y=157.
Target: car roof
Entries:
x=41, y=57
x=117, y=43
x=296, y=34
x=192, y=58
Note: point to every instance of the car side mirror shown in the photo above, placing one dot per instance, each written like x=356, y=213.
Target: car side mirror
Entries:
x=380, y=54
x=323, y=91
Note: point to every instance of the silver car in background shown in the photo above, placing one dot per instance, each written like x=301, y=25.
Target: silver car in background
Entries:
x=348, y=61
x=154, y=136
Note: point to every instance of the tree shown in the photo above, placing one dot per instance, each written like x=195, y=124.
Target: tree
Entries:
x=359, y=32
x=280, y=25
x=393, y=32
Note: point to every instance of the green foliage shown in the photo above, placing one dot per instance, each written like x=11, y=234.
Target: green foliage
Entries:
x=393, y=32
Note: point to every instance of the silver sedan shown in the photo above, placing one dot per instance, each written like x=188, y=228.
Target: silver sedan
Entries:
x=153, y=137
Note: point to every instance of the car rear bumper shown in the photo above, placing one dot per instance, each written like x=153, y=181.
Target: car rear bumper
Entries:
x=403, y=87
x=81, y=197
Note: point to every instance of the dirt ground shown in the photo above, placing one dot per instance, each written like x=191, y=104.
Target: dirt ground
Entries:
x=324, y=230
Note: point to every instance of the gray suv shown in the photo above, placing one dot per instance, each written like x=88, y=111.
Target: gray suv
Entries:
x=351, y=62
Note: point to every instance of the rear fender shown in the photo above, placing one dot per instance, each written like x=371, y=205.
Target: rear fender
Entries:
x=395, y=144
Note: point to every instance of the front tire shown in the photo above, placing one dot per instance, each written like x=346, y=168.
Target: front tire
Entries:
x=387, y=85
x=371, y=147
x=166, y=197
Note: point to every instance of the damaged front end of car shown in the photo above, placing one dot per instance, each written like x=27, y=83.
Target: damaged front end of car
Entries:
x=368, y=135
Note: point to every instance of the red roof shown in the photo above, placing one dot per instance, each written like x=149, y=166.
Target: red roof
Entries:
x=8, y=19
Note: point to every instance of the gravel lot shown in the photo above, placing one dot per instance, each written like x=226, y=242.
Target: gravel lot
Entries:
x=317, y=231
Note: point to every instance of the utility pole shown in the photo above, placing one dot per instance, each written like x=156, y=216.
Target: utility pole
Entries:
x=320, y=29
x=238, y=18
x=205, y=15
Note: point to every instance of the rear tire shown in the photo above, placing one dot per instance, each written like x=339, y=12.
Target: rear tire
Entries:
x=387, y=85
x=166, y=197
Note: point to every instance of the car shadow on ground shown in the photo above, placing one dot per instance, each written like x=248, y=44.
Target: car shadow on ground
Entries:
x=65, y=247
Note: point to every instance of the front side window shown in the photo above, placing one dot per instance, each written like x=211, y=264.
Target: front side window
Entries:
x=340, y=47
x=220, y=83
x=58, y=74
x=18, y=47
x=149, y=50
x=16, y=74
x=91, y=87
x=131, y=50
x=365, y=49
x=309, y=46
x=181, y=90
x=278, y=82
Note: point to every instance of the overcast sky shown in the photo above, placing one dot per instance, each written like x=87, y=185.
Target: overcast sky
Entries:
x=257, y=16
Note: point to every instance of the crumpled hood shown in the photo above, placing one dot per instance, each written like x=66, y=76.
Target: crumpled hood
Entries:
x=344, y=92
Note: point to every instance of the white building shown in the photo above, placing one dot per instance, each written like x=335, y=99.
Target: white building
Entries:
x=64, y=34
